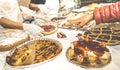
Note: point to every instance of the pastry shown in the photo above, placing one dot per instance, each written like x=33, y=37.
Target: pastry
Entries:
x=46, y=49
x=106, y=32
x=34, y=52
x=22, y=56
x=48, y=29
x=89, y=53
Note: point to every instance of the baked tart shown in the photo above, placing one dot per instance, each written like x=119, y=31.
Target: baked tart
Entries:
x=88, y=53
x=46, y=49
x=48, y=29
x=34, y=52
x=22, y=55
x=106, y=32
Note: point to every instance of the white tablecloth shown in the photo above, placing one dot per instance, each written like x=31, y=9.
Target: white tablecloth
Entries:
x=61, y=62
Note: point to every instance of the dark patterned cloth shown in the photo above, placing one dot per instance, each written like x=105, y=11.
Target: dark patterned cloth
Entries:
x=38, y=1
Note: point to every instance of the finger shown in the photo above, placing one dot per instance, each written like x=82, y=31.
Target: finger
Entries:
x=77, y=25
x=68, y=24
x=74, y=21
x=80, y=25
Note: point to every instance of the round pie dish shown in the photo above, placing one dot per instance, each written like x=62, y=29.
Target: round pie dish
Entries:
x=89, y=54
x=34, y=52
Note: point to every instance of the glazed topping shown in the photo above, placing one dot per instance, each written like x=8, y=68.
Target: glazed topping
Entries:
x=88, y=45
x=105, y=33
x=45, y=50
x=30, y=53
x=47, y=28
x=61, y=35
x=19, y=56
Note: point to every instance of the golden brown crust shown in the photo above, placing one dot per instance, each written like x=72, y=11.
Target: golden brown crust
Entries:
x=34, y=51
x=45, y=50
x=106, y=32
x=89, y=53
x=50, y=31
x=22, y=55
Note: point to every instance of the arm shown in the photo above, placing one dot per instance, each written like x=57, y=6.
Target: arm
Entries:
x=85, y=20
x=49, y=9
x=80, y=21
x=7, y=23
x=31, y=28
x=33, y=6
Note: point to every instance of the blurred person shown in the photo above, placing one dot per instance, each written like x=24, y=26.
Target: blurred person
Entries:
x=11, y=16
x=46, y=8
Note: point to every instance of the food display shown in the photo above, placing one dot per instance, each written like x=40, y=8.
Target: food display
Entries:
x=88, y=53
x=10, y=38
x=34, y=52
x=48, y=29
x=85, y=38
x=107, y=32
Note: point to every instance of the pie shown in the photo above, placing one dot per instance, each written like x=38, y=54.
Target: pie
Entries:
x=46, y=49
x=33, y=52
x=88, y=53
x=48, y=29
x=106, y=32
x=22, y=56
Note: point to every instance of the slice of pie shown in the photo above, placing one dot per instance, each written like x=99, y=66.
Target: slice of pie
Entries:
x=49, y=29
x=23, y=55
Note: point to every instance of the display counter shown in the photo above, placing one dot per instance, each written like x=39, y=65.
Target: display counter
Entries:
x=61, y=62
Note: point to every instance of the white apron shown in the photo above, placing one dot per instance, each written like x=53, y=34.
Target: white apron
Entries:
x=10, y=9
x=49, y=9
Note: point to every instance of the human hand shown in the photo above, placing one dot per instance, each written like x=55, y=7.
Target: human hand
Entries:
x=33, y=29
x=27, y=13
x=80, y=21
